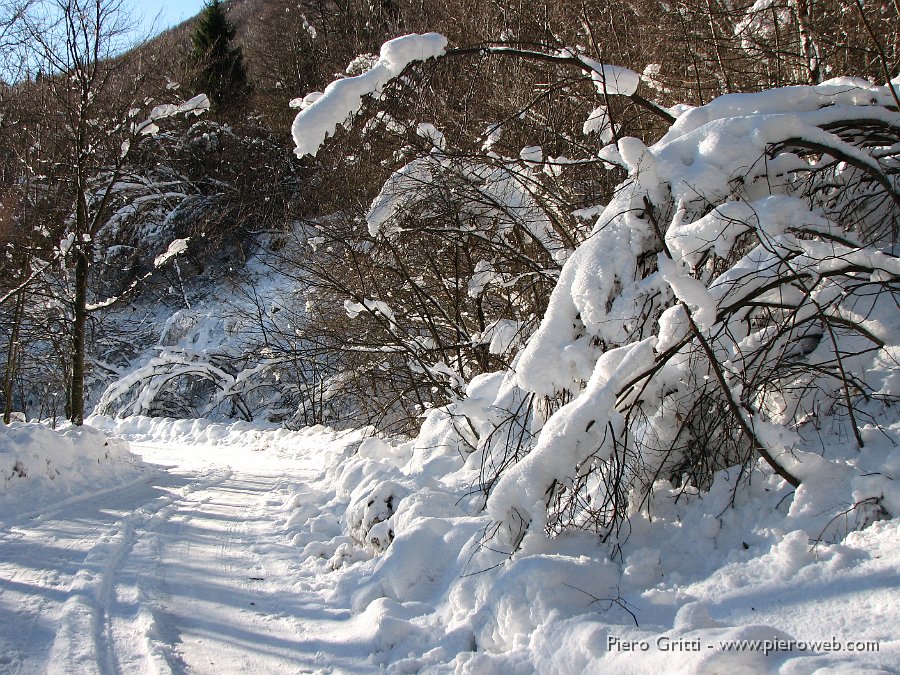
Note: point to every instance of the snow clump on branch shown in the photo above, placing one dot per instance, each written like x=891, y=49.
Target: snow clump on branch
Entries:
x=342, y=99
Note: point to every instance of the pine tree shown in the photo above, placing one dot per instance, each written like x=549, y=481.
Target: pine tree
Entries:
x=220, y=67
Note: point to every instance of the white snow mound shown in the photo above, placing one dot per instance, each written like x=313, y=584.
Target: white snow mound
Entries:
x=41, y=466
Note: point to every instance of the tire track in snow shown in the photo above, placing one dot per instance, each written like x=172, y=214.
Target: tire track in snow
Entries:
x=140, y=625
x=193, y=568
x=216, y=539
x=51, y=510
x=92, y=594
x=226, y=600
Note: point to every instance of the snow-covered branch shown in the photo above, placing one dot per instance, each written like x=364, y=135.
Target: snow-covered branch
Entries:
x=342, y=99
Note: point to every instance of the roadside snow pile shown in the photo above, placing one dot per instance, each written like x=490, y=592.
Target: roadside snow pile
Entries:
x=695, y=580
x=164, y=429
x=41, y=467
x=255, y=435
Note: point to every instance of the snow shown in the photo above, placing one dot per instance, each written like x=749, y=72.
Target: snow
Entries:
x=197, y=105
x=431, y=134
x=395, y=195
x=689, y=291
x=354, y=309
x=305, y=101
x=503, y=336
x=598, y=122
x=39, y=465
x=611, y=79
x=581, y=429
x=342, y=99
x=533, y=153
x=249, y=547
x=194, y=106
x=177, y=247
x=545, y=520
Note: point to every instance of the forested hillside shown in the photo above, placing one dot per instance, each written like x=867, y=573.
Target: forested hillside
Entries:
x=623, y=273
x=499, y=153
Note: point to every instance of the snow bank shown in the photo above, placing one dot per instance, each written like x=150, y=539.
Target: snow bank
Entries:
x=41, y=468
x=257, y=435
x=737, y=578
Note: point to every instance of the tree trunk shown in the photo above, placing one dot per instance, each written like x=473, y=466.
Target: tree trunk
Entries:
x=12, y=355
x=79, y=324
x=808, y=46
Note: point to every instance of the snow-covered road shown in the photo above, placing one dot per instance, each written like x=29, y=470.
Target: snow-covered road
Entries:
x=235, y=549
x=189, y=569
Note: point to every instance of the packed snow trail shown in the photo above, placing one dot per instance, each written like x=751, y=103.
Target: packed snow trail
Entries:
x=235, y=548
x=189, y=569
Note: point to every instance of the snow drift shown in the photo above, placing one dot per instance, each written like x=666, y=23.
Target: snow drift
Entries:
x=43, y=467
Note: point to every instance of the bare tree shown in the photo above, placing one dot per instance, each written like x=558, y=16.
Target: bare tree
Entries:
x=84, y=119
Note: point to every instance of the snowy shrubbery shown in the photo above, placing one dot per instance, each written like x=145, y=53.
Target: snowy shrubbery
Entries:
x=712, y=391
x=733, y=306
x=736, y=302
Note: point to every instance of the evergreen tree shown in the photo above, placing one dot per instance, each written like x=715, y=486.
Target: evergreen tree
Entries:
x=220, y=67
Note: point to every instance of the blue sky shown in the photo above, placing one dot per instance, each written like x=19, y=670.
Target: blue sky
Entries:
x=165, y=13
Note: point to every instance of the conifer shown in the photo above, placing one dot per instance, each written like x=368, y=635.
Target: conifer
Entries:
x=220, y=67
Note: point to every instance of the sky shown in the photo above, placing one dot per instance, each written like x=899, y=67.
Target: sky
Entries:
x=157, y=15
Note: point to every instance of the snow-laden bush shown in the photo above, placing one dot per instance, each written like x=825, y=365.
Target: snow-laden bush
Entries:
x=734, y=306
x=737, y=301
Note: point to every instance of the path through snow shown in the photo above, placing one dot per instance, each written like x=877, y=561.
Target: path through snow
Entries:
x=189, y=569
x=234, y=549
